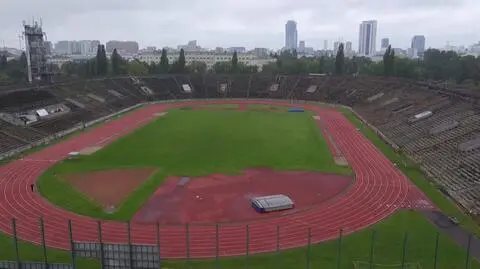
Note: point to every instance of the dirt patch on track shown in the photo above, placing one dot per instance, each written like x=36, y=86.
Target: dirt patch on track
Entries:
x=111, y=187
x=222, y=198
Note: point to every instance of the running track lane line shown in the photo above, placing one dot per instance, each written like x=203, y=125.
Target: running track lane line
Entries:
x=376, y=191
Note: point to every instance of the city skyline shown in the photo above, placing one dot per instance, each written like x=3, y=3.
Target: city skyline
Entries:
x=246, y=25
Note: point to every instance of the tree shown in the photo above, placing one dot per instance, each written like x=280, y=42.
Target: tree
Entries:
x=104, y=70
x=321, y=65
x=354, y=65
x=3, y=61
x=181, y=62
x=222, y=67
x=101, y=61
x=164, y=66
x=117, y=62
x=386, y=61
x=339, y=60
x=235, y=62
x=137, y=68
x=197, y=67
x=391, y=62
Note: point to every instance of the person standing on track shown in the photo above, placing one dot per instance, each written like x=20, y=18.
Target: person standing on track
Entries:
x=32, y=187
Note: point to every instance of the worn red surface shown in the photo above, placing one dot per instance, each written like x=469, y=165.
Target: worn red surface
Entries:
x=110, y=187
x=221, y=198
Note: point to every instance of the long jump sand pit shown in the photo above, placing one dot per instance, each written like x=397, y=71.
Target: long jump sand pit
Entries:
x=110, y=187
x=222, y=198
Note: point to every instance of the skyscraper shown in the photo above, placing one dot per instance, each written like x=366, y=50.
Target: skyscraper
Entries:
x=385, y=43
x=348, y=48
x=418, y=43
x=291, y=35
x=301, y=46
x=325, y=44
x=367, y=38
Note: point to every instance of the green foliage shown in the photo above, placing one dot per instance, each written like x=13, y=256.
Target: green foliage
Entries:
x=3, y=61
x=164, y=65
x=389, y=62
x=137, y=68
x=178, y=67
x=117, y=63
x=235, y=62
x=340, y=61
x=287, y=141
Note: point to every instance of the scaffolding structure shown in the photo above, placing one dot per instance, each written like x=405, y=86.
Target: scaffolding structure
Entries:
x=35, y=52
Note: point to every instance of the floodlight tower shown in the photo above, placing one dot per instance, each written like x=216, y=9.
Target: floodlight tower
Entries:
x=35, y=51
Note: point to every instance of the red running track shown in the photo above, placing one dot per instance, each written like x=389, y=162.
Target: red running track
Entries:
x=379, y=190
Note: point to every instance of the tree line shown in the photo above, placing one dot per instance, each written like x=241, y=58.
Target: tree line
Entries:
x=101, y=66
x=435, y=65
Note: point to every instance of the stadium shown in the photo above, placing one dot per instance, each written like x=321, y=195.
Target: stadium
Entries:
x=163, y=172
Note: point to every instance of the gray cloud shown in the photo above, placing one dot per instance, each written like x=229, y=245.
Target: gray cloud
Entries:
x=243, y=23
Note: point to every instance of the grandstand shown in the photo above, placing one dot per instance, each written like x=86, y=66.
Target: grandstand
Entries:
x=440, y=129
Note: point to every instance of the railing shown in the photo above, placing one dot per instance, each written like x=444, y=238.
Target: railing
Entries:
x=381, y=248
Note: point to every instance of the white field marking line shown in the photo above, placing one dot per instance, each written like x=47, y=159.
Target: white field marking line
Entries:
x=38, y=160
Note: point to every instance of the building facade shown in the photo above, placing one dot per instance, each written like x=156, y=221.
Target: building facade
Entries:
x=130, y=47
x=301, y=46
x=209, y=58
x=291, y=35
x=367, y=38
x=418, y=43
x=385, y=43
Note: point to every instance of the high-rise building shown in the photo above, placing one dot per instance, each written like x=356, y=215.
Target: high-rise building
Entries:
x=348, y=48
x=261, y=52
x=301, y=46
x=385, y=43
x=62, y=47
x=336, y=44
x=367, y=38
x=291, y=35
x=418, y=43
x=325, y=44
x=122, y=46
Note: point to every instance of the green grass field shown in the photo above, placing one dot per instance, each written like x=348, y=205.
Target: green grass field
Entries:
x=389, y=234
x=195, y=143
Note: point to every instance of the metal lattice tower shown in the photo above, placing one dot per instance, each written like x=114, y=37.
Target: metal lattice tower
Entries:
x=35, y=51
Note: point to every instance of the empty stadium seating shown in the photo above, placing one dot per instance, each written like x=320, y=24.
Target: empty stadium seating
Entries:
x=444, y=140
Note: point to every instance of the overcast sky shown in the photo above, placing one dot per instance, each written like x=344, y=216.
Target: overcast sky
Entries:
x=249, y=23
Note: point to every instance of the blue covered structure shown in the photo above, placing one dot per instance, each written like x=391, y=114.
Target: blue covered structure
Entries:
x=296, y=109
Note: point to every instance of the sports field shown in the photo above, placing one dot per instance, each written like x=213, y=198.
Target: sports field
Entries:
x=281, y=141
x=195, y=143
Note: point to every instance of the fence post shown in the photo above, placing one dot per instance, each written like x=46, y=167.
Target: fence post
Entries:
x=157, y=231
x=372, y=248
x=187, y=243
x=130, y=252
x=404, y=251
x=278, y=248
x=72, y=246
x=437, y=239
x=217, y=246
x=15, y=242
x=308, y=246
x=339, y=254
x=100, y=241
x=467, y=258
x=247, y=245
x=44, y=247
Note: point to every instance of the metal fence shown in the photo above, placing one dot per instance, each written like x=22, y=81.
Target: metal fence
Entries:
x=402, y=250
